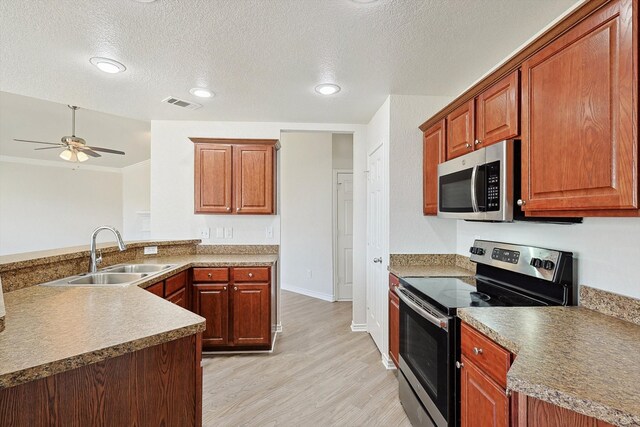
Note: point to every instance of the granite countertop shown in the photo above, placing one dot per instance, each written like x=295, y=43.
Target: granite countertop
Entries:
x=572, y=357
x=54, y=329
x=429, y=270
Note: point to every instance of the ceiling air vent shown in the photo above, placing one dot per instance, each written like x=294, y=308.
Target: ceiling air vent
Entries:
x=181, y=103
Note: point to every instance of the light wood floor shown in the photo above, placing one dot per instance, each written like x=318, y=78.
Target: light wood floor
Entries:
x=320, y=374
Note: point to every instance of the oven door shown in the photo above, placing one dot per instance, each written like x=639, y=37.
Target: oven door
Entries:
x=427, y=355
x=461, y=187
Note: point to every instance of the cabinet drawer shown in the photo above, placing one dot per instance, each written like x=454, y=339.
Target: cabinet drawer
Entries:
x=394, y=282
x=178, y=298
x=172, y=284
x=492, y=359
x=251, y=274
x=157, y=289
x=211, y=274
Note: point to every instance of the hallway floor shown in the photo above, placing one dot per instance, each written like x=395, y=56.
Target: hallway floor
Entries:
x=321, y=374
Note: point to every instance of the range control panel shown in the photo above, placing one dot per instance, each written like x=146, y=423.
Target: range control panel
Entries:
x=529, y=260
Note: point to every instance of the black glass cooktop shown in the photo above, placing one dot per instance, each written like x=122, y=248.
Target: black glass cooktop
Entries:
x=450, y=293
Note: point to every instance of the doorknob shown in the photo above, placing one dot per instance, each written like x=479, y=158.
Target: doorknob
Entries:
x=378, y=260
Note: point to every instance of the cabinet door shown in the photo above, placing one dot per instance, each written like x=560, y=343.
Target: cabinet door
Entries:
x=251, y=314
x=497, y=108
x=482, y=402
x=433, y=147
x=212, y=303
x=179, y=297
x=579, y=99
x=394, y=327
x=460, y=131
x=253, y=179
x=212, y=178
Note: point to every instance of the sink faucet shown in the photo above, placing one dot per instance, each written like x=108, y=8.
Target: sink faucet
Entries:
x=93, y=260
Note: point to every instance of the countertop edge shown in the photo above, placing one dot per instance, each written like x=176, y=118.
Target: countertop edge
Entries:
x=72, y=362
x=513, y=347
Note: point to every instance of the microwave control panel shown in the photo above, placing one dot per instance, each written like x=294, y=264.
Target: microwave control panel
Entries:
x=493, y=186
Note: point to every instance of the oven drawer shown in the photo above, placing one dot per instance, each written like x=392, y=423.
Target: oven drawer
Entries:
x=484, y=353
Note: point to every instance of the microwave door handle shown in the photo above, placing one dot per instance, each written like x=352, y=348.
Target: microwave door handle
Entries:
x=474, y=198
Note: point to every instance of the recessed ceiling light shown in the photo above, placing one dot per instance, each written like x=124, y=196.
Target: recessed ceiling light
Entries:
x=201, y=92
x=327, y=89
x=107, y=65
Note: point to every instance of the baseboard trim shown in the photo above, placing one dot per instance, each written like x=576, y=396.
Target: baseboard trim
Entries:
x=387, y=362
x=307, y=292
x=216, y=353
x=358, y=327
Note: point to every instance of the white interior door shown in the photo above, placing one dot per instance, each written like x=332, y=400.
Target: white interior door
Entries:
x=344, y=242
x=375, y=247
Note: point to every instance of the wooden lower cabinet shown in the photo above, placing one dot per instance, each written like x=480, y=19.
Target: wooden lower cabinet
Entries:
x=179, y=297
x=482, y=401
x=536, y=413
x=174, y=289
x=238, y=311
x=159, y=385
x=394, y=321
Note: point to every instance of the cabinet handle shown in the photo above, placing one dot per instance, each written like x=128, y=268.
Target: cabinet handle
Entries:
x=477, y=141
x=459, y=365
x=467, y=145
x=209, y=275
x=229, y=209
x=477, y=350
x=521, y=202
x=237, y=209
x=224, y=288
x=250, y=274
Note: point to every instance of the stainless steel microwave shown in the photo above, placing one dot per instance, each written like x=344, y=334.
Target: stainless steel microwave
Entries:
x=478, y=186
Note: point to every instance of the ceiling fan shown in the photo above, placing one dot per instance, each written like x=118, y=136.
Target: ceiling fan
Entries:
x=75, y=148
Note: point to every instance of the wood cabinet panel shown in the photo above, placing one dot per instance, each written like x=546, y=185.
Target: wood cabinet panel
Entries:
x=251, y=274
x=482, y=402
x=156, y=289
x=158, y=385
x=216, y=274
x=179, y=297
x=543, y=414
x=484, y=353
x=394, y=328
x=393, y=281
x=212, y=303
x=497, y=108
x=460, y=130
x=253, y=179
x=174, y=283
x=433, y=152
x=251, y=314
x=213, y=178
x=579, y=99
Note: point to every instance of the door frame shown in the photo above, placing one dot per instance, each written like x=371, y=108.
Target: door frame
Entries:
x=334, y=226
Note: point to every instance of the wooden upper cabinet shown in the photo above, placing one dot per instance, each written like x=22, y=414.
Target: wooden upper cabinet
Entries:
x=253, y=179
x=579, y=99
x=433, y=152
x=213, y=178
x=460, y=130
x=497, y=111
x=234, y=176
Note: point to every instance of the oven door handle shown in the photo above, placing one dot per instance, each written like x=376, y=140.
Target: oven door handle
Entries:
x=474, y=183
x=441, y=322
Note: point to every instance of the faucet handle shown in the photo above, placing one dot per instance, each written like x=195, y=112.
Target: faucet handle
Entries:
x=99, y=257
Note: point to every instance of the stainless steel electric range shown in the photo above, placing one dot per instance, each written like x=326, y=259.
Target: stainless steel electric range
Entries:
x=507, y=275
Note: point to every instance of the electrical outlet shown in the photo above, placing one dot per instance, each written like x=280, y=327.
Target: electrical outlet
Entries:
x=204, y=232
x=150, y=250
x=228, y=232
x=269, y=232
x=219, y=233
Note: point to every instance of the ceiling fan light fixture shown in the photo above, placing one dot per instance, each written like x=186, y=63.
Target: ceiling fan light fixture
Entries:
x=107, y=65
x=82, y=157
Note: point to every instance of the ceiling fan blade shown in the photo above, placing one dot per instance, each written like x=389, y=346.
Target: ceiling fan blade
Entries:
x=49, y=148
x=89, y=152
x=105, y=150
x=38, y=142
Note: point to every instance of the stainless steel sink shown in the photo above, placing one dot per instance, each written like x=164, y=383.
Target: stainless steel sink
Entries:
x=108, y=279
x=138, y=268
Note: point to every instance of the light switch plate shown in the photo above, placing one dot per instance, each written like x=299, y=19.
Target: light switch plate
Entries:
x=219, y=233
x=150, y=250
x=228, y=232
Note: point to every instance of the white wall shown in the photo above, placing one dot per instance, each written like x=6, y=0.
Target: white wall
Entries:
x=306, y=214
x=409, y=230
x=46, y=205
x=135, y=200
x=172, y=187
x=607, y=249
x=342, y=147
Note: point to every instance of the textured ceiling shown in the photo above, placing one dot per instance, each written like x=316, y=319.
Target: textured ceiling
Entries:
x=23, y=117
x=261, y=57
